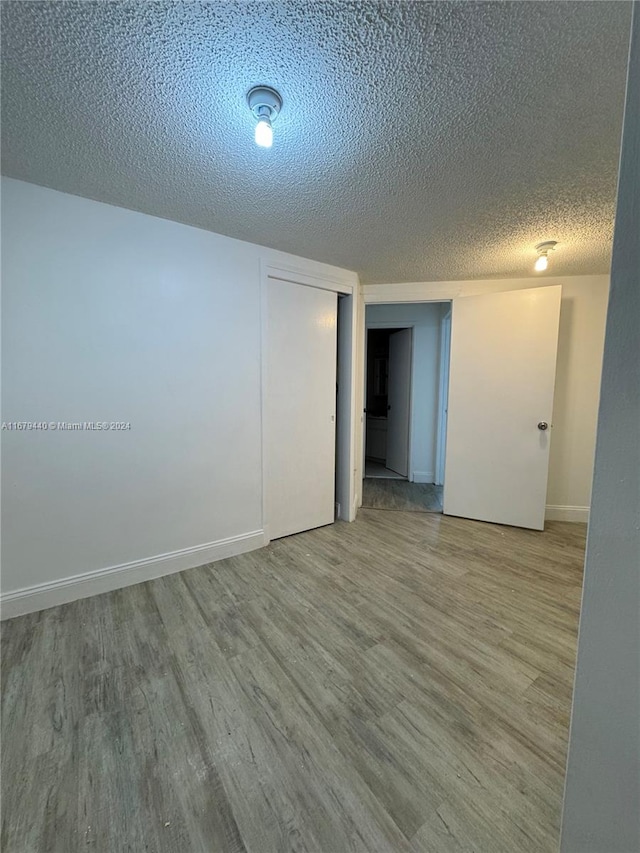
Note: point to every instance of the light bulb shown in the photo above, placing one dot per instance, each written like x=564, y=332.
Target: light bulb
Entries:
x=541, y=264
x=264, y=133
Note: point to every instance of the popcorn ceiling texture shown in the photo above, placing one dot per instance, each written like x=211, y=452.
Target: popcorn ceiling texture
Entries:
x=417, y=141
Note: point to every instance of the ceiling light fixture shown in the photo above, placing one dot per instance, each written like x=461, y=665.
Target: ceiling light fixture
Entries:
x=265, y=104
x=543, y=250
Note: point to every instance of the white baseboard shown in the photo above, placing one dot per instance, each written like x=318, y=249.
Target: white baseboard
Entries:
x=567, y=513
x=38, y=597
x=423, y=476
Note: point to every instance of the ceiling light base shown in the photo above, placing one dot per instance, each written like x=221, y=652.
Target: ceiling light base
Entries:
x=543, y=250
x=264, y=102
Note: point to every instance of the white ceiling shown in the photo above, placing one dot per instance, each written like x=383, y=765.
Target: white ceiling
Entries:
x=417, y=141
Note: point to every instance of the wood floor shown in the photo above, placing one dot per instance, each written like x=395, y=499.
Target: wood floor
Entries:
x=398, y=684
x=401, y=495
x=377, y=470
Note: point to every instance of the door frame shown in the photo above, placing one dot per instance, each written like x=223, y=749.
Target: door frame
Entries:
x=346, y=433
x=396, y=324
x=398, y=294
x=443, y=396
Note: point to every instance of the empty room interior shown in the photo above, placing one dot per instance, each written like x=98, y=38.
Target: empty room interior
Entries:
x=320, y=407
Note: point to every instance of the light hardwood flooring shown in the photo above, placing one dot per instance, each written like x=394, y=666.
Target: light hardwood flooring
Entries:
x=400, y=684
x=401, y=495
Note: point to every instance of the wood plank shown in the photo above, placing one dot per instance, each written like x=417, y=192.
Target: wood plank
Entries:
x=400, y=683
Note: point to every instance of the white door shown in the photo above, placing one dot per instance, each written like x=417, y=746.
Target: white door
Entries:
x=399, y=401
x=299, y=407
x=501, y=380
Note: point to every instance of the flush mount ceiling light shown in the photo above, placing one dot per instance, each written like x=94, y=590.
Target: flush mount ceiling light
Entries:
x=543, y=250
x=265, y=103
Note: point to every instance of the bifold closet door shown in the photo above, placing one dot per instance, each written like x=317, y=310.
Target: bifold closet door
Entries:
x=299, y=407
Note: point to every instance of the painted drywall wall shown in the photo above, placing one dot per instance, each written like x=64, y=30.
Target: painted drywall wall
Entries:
x=580, y=346
x=602, y=790
x=424, y=379
x=113, y=316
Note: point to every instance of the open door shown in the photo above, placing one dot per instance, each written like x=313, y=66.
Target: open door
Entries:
x=399, y=399
x=501, y=381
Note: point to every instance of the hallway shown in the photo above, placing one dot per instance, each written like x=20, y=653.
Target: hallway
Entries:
x=401, y=495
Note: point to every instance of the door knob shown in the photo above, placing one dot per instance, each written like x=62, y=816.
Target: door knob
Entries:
x=543, y=425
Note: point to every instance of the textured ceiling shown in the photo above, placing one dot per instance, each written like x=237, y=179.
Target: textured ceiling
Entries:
x=417, y=141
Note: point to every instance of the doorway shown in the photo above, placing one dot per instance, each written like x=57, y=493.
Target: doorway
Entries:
x=403, y=399
x=496, y=419
x=388, y=403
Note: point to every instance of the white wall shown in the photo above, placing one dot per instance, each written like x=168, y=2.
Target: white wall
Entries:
x=580, y=347
x=112, y=315
x=602, y=792
x=425, y=374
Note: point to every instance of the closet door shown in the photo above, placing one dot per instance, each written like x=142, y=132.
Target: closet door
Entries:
x=299, y=407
